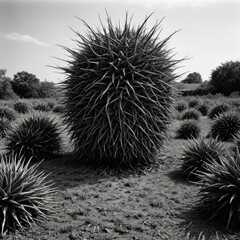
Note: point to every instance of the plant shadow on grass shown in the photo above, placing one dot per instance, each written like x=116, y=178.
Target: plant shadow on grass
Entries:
x=196, y=223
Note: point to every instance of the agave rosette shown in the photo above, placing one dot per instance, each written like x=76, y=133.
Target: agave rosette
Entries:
x=35, y=136
x=220, y=192
x=25, y=194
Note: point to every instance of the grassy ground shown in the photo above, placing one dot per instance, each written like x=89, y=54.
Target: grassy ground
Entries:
x=156, y=205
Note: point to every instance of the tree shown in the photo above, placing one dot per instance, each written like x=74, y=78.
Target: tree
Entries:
x=6, y=91
x=226, y=77
x=47, y=90
x=26, y=84
x=193, y=77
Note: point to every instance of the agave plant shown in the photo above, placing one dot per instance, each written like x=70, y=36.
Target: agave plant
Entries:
x=36, y=137
x=197, y=153
x=220, y=192
x=181, y=106
x=6, y=112
x=203, y=108
x=21, y=107
x=190, y=114
x=226, y=126
x=217, y=110
x=188, y=129
x=118, y=93
x=25, y=194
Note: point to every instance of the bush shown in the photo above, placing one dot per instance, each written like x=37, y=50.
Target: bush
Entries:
x=196, y=154
x=25, y=195
x=51, y=104
x=58, y=108
x=190, y=114
x=118, y=94
x=226, y=126
x=21, y=107
x=217, y=110
x=35, y=137
x=220, y=192
x=188, y=129
x=43, y=107
x=203, y=108
x=226, y=77
x=8, y=113
x=181, y=106
x=4, y=126
x=193, y=103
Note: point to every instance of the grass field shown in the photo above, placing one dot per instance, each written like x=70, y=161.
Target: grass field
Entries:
x=155, y=205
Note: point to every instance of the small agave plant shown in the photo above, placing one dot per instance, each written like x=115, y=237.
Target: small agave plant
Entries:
x=197, y=153
x=25, y=194
x=35, y=136
x=118, y=93
x=220, y=192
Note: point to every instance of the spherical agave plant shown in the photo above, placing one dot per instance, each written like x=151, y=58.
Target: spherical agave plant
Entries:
x=188, y=129
x=226, y=126
x=217, y=110
x=36, y=137
x=197, y=153
x=25, y=194
x=118, y=93
x=190, y=114
x=220, y=192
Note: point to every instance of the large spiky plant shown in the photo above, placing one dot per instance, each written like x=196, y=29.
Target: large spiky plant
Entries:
x=118, y=93
x=35, y=136
x=25, y=194
x=220, y=192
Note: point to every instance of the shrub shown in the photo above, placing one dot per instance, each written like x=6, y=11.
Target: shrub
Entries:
x=21, y=107
x=43, y=107
x=188, y=129
x=35, y=137
x=190, y=114
x=217, y=110
x=25, y=194
x=8, y=113
x=197, y=153
x=4, y=126
x=118, y=94
x=51, y=104
x=226, y=126
x=203, y=108
x=193, y=77
x=220, y=192
x=193, y=103
x=58, y=108
x=225, y=78
x=181, y=106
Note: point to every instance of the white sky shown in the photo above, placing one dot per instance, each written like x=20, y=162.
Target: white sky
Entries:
x=30, y=30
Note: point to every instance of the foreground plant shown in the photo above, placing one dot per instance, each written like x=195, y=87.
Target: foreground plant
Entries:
x=197, y=153
x=188, y=129
x=25, y=194
x=220, y=192
x=118, y=94
x=36, y=137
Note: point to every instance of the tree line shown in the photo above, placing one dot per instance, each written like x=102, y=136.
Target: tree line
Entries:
x=25, y=85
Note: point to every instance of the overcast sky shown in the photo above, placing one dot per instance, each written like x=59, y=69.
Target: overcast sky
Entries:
x=31, y=29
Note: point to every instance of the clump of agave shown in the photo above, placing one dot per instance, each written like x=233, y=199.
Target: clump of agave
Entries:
x=190, y=114
x=197, y=153
x=21, y=107
x=8, y=113
x=25, y=194
x=220, y=192
x=188, y=129
x=181, y=106
x=118, y=93
x=226, y=126
x=217, y=110
x=36, y=137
